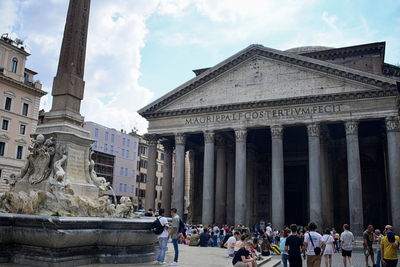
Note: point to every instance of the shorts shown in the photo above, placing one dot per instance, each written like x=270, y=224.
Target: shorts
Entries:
x=368, y=251
x=240, y=264
x=346, y=253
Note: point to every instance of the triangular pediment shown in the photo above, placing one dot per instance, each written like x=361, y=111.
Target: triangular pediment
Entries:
x=262, y=74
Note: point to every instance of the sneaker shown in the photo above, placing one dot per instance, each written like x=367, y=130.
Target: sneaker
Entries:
x=174, y=263
x=155, y=262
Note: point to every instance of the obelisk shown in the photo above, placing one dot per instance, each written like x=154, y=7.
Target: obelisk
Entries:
x=64, y=121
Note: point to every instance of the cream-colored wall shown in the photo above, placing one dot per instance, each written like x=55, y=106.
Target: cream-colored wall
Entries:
x=6, y=56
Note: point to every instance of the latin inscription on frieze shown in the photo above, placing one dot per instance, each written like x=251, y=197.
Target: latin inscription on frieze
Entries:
x=266, y=114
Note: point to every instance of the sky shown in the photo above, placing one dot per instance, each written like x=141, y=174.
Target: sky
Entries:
x=139, y=50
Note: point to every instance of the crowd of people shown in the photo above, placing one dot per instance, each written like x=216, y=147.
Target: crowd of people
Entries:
x=246, y=246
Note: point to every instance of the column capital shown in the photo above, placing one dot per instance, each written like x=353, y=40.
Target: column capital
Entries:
x=313, y=130
x=351, y=127
x=209, y=136
x=241, y=135
x=276, y=131
x=180, y=139
x=219, y=140
x=392, y=124
x=167, y=144
x=152, y=139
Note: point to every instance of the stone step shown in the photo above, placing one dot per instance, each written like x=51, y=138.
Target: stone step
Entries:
x=271, y=263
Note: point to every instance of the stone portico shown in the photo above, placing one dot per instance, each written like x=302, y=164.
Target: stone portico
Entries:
x=286, y=136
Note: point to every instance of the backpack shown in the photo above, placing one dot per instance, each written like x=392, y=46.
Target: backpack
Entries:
x=181, y=227
x=157, y=227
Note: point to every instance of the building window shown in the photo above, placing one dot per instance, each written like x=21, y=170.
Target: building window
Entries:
x=111, y=149
x=26, y=77
x=128, y=142
x=142, y=193
x=2, y=148
x=127, y=153
x=22, y=128
x=125, y=188
x=136, y=192
x=143, y=163
x=162, y=156
x=105, y=147
x=123, y=153
x=106, y=136
x=121, y=171
x=132, y=188
x=112, y=137
x=123, y=141
x=4, y=125
x=120, y=187
x=143, y=150
x=25, y=108
x=126, y=171
x=14, y=65
x=19, y=152
x=96, y=132
x=95, y=145
x=7, y=105
x=133, y=173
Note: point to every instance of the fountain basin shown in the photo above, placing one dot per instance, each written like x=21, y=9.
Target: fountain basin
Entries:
x=72, y=241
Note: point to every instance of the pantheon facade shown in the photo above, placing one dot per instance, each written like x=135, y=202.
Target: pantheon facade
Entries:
x=310, y=133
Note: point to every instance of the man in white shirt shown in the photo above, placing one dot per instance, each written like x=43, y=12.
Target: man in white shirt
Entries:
x=162, y=238
x=230, y=244
x=313, y=240
x=346, y=240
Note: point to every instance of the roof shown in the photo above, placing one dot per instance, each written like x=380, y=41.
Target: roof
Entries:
x=31, y=71
x=284, y=56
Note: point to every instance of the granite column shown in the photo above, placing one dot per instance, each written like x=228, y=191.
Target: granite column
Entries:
x=208, y=179
x=240, y=176
x=354, y=178
x=220, y=182
x=167, y=177
x=230, y=185
x=314, y=157
x=179, y=182
x=278, y=190
x=393, y=144
x=151, y=172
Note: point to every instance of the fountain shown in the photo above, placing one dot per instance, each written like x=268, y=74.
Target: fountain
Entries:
x=56, y=213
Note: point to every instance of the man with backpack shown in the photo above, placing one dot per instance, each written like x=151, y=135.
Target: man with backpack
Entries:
x=174, y=234
x=160, y=227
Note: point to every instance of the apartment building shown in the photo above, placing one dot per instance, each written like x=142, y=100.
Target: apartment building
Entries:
x=124, y=148
x=141, y=178
x=19, y=106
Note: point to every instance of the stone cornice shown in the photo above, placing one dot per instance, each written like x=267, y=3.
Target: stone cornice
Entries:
x=259, y=50
x=351, y=51
x=21, y=85
x=277, y=102
x=390, y=70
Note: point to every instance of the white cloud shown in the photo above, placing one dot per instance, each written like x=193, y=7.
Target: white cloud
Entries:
x=8, y=15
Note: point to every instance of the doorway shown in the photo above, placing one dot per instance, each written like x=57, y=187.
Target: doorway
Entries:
x=296, y=194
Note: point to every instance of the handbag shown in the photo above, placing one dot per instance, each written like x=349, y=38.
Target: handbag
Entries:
x=317, y=250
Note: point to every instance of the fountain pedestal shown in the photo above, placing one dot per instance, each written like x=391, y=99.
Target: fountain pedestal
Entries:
x=47, y=241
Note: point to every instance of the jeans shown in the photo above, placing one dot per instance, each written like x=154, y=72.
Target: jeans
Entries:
x=215, y=239
x=378, y=259
x=175, y=243
x=162, y=241
x=285, y=258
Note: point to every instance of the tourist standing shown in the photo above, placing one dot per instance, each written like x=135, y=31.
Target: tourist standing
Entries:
x=368, y=239
x=378, y=238
x=329, y=247
x=174, y=233
x=312, y=242
x=282, y=245
x=230, y=244
x=346, y=240
x=269, y=232
x=162, y=238
x=389, y=248
x=294, y=246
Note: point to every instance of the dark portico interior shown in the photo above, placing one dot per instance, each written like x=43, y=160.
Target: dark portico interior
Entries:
x=372, y=145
